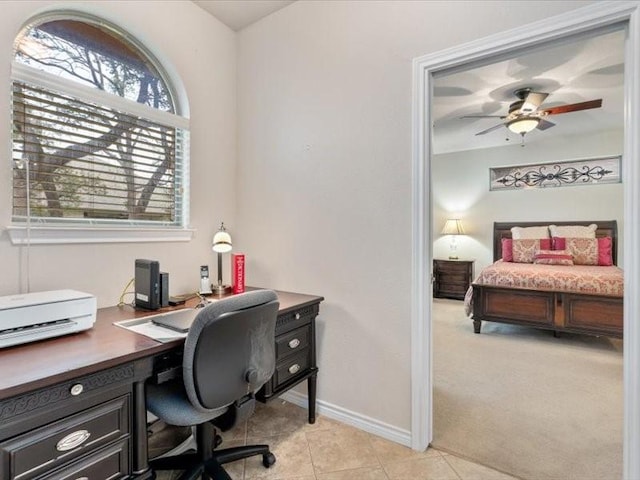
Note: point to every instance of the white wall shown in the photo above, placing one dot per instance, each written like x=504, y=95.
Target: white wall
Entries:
x=201, y=51
x=461, y=189
x=324, y=172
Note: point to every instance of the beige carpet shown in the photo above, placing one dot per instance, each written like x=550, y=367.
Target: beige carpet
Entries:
x=521, y=401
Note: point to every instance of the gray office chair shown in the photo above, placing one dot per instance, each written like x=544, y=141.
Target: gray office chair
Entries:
x=229, y=353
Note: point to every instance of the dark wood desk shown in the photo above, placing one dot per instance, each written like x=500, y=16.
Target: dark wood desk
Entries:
x=74, y=406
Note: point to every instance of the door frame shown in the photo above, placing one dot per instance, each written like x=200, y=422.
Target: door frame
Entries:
x=583, y=20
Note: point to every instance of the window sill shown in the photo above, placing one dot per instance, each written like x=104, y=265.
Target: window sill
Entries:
x=50, y=235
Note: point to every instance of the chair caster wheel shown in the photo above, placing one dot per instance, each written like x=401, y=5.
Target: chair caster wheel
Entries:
x=268, y=459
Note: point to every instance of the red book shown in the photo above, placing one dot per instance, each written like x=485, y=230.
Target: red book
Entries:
x=237, y=272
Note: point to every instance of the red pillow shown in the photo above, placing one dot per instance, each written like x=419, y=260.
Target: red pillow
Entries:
x=507, y=248
x=604, y=245
x=605, y=254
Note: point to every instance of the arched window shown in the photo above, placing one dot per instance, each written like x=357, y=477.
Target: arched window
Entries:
x=97, y=135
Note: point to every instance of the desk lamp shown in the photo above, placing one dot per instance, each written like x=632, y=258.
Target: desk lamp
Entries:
x=221, y=244
x=453, y=227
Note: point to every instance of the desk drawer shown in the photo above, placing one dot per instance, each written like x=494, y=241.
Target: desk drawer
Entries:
x=296, y=318
x=292, y=367
x=292, y=342
x=108, y=463
x=43, y=449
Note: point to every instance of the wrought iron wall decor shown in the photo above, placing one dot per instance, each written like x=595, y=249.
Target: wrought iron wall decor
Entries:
x=559, y=174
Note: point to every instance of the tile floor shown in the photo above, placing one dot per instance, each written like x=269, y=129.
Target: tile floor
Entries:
x=328, y=450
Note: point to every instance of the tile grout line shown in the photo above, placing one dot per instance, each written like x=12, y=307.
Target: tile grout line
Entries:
x=313, y=466
x=384, y=470
x=451, y=466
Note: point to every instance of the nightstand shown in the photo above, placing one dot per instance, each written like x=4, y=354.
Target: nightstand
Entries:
x=452, y=278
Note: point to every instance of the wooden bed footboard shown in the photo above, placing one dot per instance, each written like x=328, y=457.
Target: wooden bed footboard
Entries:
x=558, y=311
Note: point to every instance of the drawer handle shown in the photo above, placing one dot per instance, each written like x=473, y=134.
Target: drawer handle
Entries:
x=82, y=478
x=294, y=368
x=77, y=389
x=297, y=316
x=72, y=440
x=294, y=343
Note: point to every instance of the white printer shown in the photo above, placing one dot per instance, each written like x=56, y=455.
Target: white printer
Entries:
x=33, y=316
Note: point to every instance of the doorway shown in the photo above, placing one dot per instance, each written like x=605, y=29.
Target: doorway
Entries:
x=580, y=21
x=490, y=389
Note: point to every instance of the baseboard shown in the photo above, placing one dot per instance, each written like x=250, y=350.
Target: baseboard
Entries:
x=343, y=415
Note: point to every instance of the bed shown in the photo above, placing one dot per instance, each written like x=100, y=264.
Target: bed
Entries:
x=581, y=299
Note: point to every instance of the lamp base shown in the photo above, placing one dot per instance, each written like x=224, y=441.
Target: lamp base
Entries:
x=205, y=286
x=221, y=289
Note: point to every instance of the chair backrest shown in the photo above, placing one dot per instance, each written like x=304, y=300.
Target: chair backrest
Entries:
x=230, y=349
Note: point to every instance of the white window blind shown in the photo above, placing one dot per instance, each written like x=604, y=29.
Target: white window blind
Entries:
x=92, y=162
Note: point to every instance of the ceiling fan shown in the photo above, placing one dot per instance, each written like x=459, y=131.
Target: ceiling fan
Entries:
x=525, y=114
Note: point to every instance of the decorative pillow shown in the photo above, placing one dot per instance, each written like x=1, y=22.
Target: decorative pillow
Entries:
x=522, y=233
x=574, y=231
x=553, y=257
x=507, y=250
x=587, y=251
x=605, y=254
x=524, y=250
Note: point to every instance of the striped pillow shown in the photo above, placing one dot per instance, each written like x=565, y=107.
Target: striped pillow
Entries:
x=553, y=257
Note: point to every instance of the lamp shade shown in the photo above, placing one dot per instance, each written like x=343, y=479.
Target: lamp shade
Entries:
x=453, y=226
x=222, y=240
x=523, y=125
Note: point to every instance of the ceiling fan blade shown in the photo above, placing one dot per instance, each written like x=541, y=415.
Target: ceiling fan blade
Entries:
x=495, y=127
x=532, y=101
x=544, y=124
x=483, y=116
x=573, y=107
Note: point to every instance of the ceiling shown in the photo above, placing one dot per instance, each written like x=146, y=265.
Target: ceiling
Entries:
x=571, y=72
x=237, y=14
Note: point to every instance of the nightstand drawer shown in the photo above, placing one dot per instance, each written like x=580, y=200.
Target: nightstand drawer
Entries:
x=108, y=463
x=292, y=342
x=293, y=366
x=43, y=449
x=452, y=267
x=454, y=278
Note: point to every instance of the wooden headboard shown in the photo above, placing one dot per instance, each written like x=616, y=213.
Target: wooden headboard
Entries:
x=607, y=228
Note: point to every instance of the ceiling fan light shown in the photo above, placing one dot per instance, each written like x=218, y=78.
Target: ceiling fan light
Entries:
x=523, y=125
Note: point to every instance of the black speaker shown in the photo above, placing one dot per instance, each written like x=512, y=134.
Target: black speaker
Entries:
x=164, y=289
x=147, y=284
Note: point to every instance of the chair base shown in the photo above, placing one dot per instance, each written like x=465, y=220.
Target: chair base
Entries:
x=206, y=462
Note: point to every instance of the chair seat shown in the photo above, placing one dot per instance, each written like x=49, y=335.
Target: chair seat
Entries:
x=171, y=403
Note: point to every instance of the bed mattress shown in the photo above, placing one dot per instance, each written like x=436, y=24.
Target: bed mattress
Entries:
x=590, y=279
